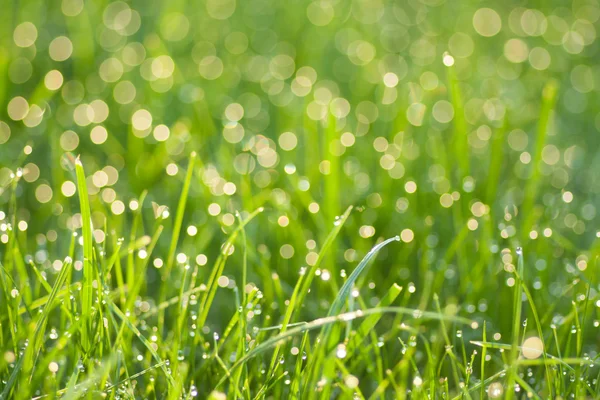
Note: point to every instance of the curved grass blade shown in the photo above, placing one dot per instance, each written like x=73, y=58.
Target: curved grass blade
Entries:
x=546, y=359
x=134, y=376
x=344, y=292
x=345, y=317
x=318, y=363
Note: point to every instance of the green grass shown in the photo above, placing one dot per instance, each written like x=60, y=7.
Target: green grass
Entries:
x=304, y=200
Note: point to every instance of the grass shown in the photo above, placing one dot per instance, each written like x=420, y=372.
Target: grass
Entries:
x=353, y=200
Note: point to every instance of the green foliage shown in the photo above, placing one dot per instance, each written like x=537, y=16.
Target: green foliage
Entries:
x=187, y=190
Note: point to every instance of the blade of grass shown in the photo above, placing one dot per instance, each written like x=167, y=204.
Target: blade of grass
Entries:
x=303, y=285
x=539, y=332
x=27, y=359
x=243, y=330
x=345, y=317
x=209, y=294
x=180, y=213
x=129, y=251
x=115, y=310
x=176, y=231
x=87, y=291
x=319, y=364
x=344, y=293
x=137, y=285
x=369, y=323
x=483, y=360
x=516, y=324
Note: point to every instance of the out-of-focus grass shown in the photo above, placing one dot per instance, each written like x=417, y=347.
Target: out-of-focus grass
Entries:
x=187, y=192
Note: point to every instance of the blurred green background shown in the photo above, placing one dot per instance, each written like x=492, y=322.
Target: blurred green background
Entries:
x=467, y=127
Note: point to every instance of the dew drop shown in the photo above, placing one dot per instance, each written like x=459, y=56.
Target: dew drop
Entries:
x=341, y=351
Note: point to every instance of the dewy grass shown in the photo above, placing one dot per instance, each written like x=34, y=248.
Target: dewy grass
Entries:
x=235, y=355
x=89, y=266
x=516, y=333
x=237, y=161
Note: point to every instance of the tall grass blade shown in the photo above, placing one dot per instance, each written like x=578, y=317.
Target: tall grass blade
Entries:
x=89, y=273
x=180, y=213
x=516, y=324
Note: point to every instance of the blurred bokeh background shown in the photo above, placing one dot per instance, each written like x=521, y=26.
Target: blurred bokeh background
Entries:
x=467, y=127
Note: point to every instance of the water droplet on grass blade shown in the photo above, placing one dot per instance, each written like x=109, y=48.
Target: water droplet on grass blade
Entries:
x=341, y=351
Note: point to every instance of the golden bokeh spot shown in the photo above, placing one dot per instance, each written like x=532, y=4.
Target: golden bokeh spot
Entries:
x=53, y=80
x=60, y=48
x=18, y=108
x=25, y=34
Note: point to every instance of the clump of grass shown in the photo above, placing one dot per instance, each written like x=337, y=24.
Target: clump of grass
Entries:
x=110, y=348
